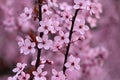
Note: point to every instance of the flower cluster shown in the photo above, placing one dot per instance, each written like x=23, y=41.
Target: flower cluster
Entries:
x=39, y=74
x=26, y=46
x=73, y=63
x=63, y=31
x=27, y=14
x=57, y=75
x=20, y=74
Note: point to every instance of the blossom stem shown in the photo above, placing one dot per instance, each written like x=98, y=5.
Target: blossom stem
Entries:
x=41, y=34
x=70, y=37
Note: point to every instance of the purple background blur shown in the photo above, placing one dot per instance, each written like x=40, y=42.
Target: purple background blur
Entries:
x=107, y=33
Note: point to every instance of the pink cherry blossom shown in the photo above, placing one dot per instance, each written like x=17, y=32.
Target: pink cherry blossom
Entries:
x=27, y=13
x=9, y=21
x=92, y=21
x=56, y=25
x=44, y=42
x=20, y=42
x=79, y=4
x=65, y=6
x=91, y=8
x=73, y=63
x=57, y=75
x=99, y=7
x=39, y=74
x=80, y=26
x=56, y=46
x=62, y=38
x=26, y=46
x=94, y=8
x=67, y=16
x=25, y=25
x=98, y=10
x=9, y=24
x=45, y=10
x=42, y=61
x=46, y=27
x=52, y=3
x=30, y=46
x=19, y=67
x=12, y=78
x=23, y=76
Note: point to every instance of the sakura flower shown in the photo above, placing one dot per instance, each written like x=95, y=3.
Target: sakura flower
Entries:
x=27, y=13
x=66, y=16
x=92, y=21
x=20, y=41
x=45, y=10
x=98, y=10
x=79, y=4
x=42, y=62
x=9, y=24
x=98, y=54
x=46, y=26
x=44, y=42
x=19, y=67
x=91, y=8
x=62, y=38
x=65, y=6
x=80, y=26
x=9, y=21
x=72, y=63
x=56, y=24
x=23, y=76
x=39, y=74
x=56, y=46
x=12, y=78
x=30, y=46
x=25, y=25
x=94, y=8
x=57, y=75
x=52, y=3
x=99, y=7
x=26, y=46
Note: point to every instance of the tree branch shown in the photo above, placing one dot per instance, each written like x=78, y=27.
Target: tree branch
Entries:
x=41, y=34
x=70, y=37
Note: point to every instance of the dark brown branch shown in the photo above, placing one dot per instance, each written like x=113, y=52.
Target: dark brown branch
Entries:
x=70, y=37
x=41, y=34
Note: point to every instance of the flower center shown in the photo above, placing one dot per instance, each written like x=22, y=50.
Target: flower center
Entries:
x=67, y=16
x=80, y=4
x=46, y=27
x=62, y=38
x=57, y=75
x=80, y=26
x=29, y=47
x=27, y=14
x=43, y=42
x=44, y=10
x=24, y=78
x=73, y=64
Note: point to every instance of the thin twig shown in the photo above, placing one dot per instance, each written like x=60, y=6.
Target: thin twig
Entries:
x=70, y=37
x=41, y=34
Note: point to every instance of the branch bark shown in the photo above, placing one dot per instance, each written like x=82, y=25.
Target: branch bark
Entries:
x=41, y=34
x=70, y=37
